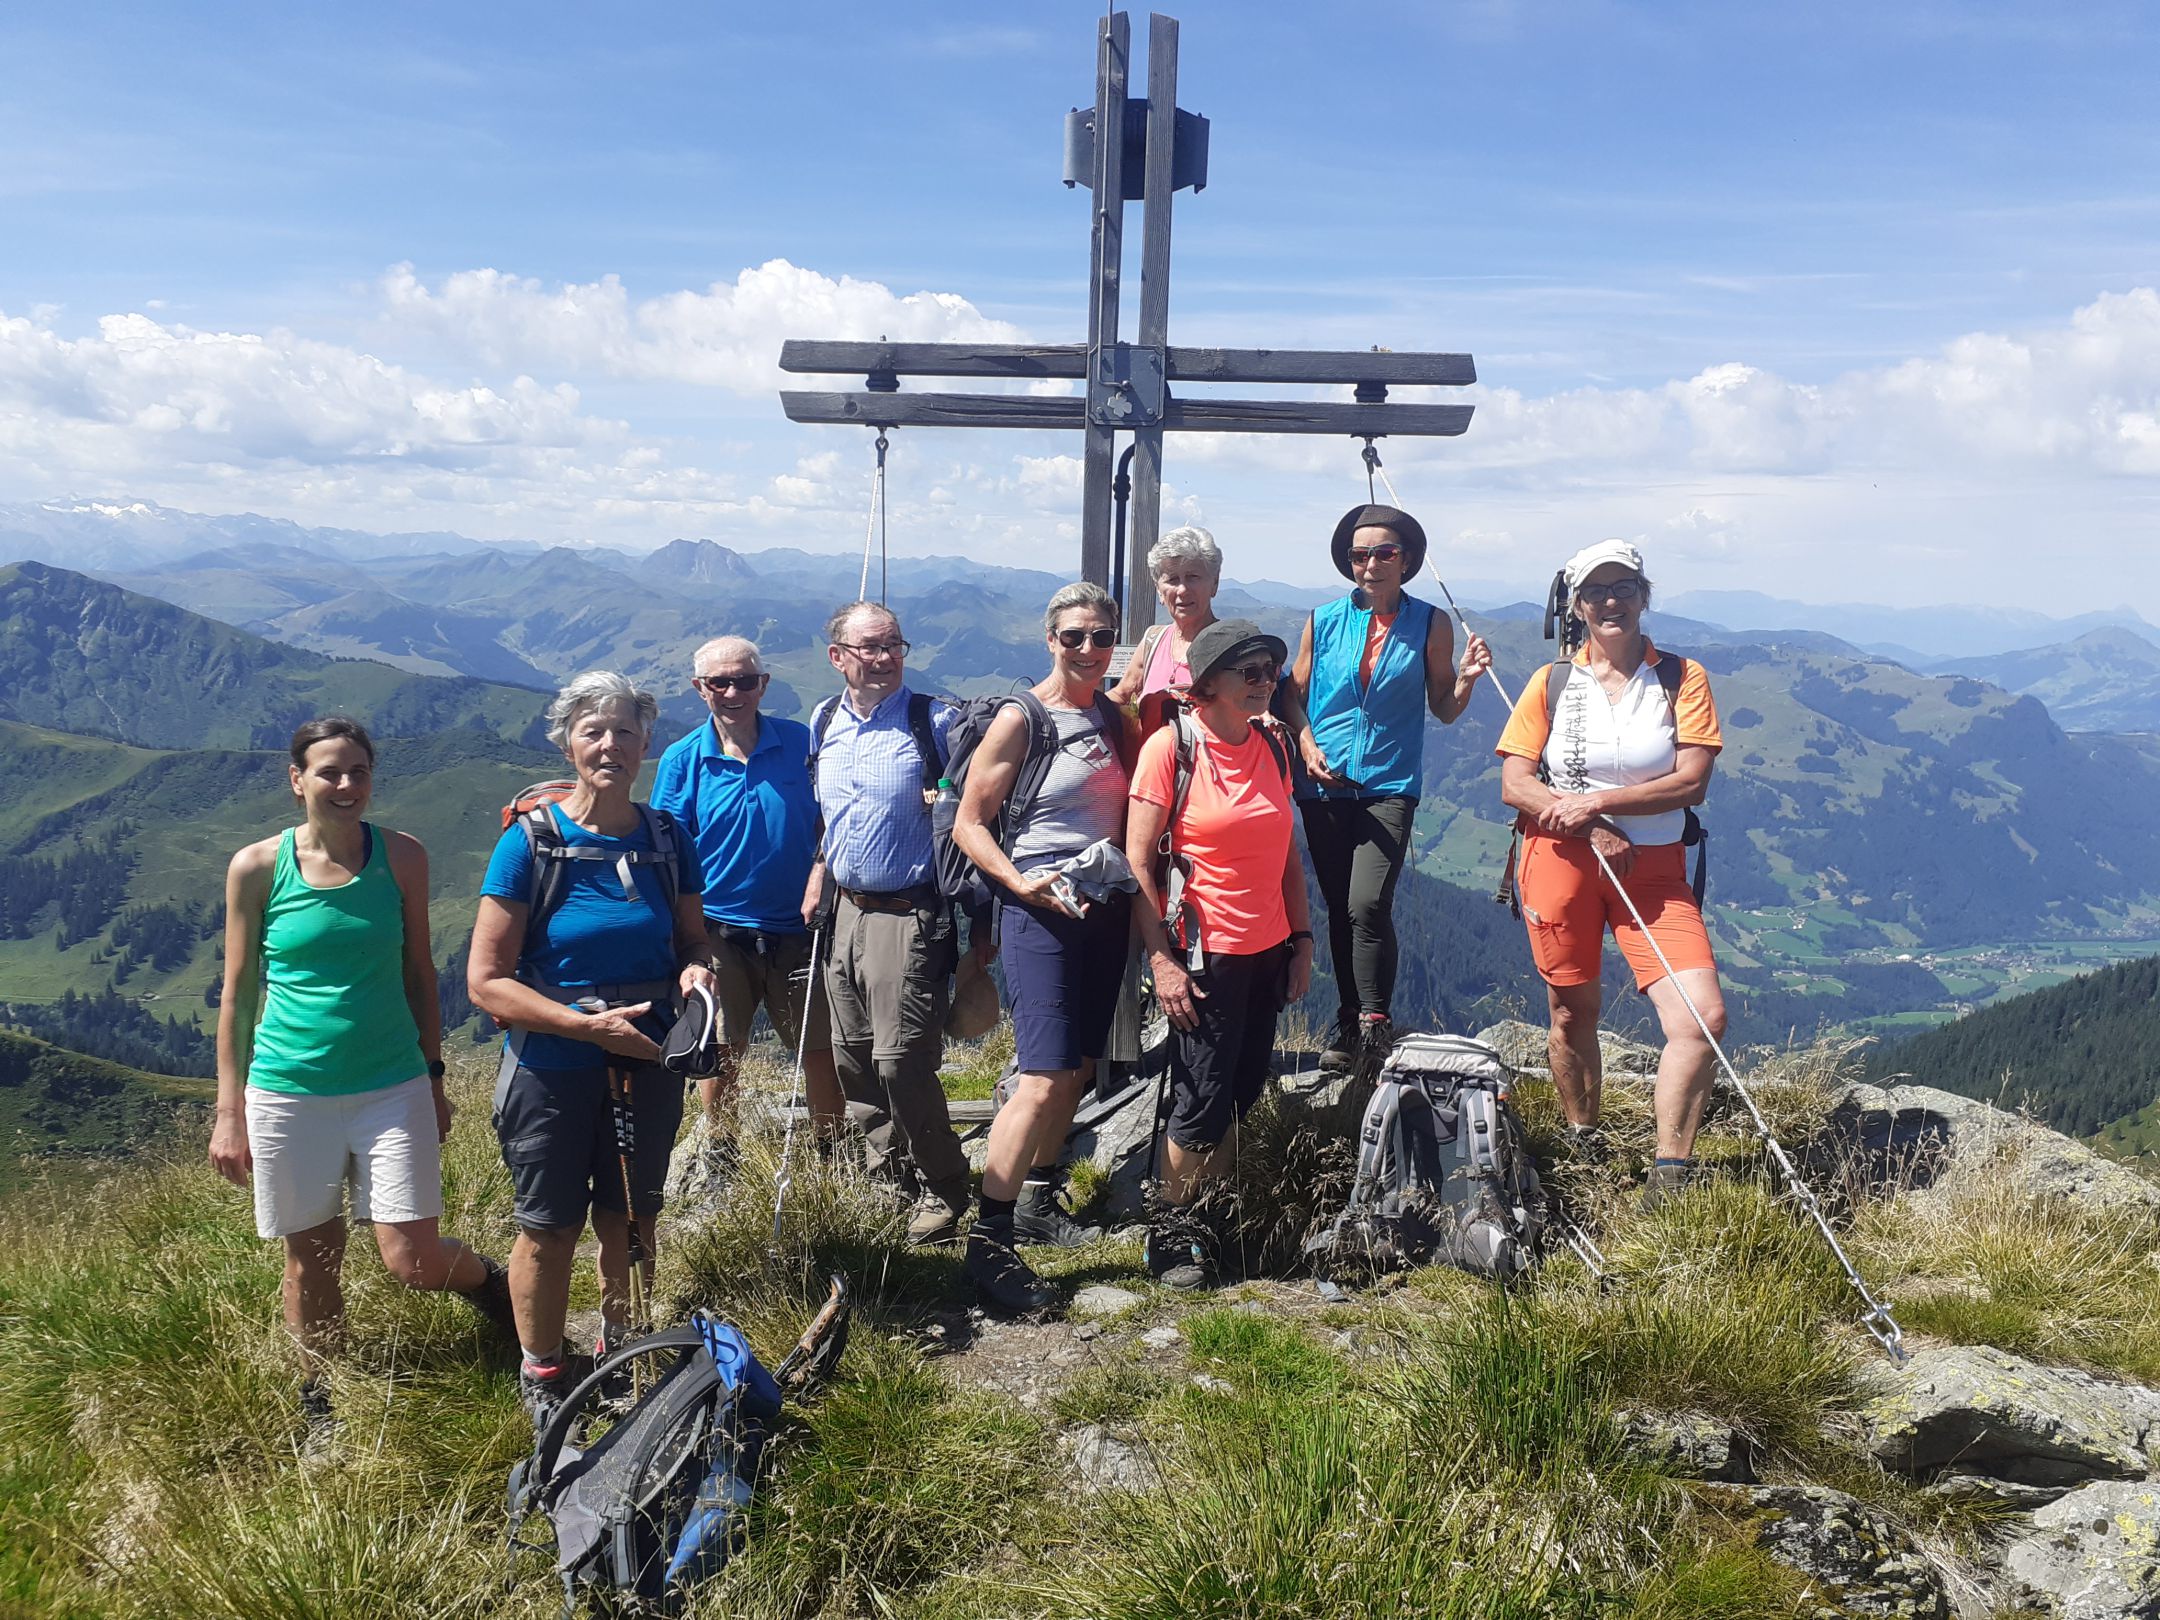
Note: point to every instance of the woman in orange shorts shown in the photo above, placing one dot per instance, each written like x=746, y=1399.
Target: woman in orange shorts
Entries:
x=1610, y=764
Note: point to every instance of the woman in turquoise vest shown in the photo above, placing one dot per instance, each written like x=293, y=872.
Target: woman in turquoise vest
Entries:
x=1370, y=666
x=330, y=1052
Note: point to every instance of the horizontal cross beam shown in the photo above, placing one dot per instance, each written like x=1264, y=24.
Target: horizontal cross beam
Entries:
x=1069, y=360
x=1179, y=416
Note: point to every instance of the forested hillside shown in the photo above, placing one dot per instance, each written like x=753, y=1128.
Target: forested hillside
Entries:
x=82, y=656
x=54, y=1101
x=2080, y=1055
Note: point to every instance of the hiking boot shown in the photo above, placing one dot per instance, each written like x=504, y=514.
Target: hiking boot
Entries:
x=492, y=1298
x=1003, y=1281
x=541, y=1390
x=1040, y=1216
x=1341, y=1051
x=1376, y=1039
x=320, y=1420
x=932, y=1222
x=1666, y=1182
x=1178, y=1250
x=619, y=1388
x=1589, y=1145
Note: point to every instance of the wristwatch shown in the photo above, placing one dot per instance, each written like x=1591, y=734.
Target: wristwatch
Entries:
x=437, y=1069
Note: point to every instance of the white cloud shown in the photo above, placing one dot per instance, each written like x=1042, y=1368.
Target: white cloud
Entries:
x=729, y=335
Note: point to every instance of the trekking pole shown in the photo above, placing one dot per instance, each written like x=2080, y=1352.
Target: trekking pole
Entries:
x=620, y=1106
x=1876, y=1319
x=797, y=1097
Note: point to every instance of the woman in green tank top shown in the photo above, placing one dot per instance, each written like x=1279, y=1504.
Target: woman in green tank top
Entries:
x=330, y=1072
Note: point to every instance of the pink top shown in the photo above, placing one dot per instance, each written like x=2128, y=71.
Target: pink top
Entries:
x=1163, y=668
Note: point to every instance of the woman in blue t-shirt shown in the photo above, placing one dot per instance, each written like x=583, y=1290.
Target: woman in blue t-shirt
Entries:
x=586, y=987
x=1370, y=667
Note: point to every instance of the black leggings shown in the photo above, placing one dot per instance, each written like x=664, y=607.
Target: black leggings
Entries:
x=1357, y=848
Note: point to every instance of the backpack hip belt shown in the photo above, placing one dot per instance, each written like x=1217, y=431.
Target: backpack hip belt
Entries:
x=660, y=992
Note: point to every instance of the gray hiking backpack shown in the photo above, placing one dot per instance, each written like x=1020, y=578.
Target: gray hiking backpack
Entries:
x=1443, y=1175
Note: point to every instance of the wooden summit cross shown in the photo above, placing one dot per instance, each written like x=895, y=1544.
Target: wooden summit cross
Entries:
x=1162, y=150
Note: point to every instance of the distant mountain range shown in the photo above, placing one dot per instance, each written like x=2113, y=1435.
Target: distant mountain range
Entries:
x=1910, y=635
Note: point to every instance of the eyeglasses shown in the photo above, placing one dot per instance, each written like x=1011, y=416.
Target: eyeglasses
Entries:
x=1620, y=590
x=1264, y=673
x=729, y=683
x=875, y=649
x=1361, y=555
x=1098, y=639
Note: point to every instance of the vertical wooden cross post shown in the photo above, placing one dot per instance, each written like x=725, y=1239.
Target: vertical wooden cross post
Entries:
x=1122, y=150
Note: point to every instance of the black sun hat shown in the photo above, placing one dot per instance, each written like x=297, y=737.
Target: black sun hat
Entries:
x=1401, y=524
x=692, y=1047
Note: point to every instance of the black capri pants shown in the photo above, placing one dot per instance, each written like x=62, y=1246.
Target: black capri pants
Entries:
x=1357, y=848
x=1218, y=1070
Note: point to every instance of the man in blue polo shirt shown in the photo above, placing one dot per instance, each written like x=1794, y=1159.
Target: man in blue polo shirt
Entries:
x=740, y=787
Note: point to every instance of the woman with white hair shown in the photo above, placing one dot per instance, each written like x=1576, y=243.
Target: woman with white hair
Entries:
x=590, y=924
x=1186, y=566
x=1605, y=755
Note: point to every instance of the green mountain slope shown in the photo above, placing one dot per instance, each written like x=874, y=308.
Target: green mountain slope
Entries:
x=54, y=1101
x=80, y=655
x=2081, y=1055
x=112, y=861
x=2105, y=680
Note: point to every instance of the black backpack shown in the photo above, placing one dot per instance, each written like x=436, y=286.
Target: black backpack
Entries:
x=549, y=875
x=958, y=878
x=660, y=1501
x=1671, y=670
x=1444, y=1174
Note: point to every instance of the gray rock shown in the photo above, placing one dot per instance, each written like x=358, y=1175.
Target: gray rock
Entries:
x=2095, y=1554
x=1985, y=1410
x=2006, y=1493
x=1522, y=1046
x=1212, y=1384
x=1122, y=1146
x=1160, y=1338
x=1103, y=1462
x=1919, y=1140
x=1692, y=1444
x=1859, y=1561
x=1102, y=1299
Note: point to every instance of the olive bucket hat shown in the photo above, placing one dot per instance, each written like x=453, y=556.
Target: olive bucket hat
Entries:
x=1226, y=641
x=1401, y=524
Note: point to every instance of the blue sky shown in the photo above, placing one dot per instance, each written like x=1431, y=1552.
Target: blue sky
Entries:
x=1855, y=301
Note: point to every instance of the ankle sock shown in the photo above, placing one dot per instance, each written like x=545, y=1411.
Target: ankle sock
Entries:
x=994, y=1212
x=547, y=1366
x=1662, y=1159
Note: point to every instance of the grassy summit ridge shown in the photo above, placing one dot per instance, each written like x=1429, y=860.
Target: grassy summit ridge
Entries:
x=1442, y=1448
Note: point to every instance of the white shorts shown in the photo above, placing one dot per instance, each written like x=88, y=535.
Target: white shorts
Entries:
x=384, y=1143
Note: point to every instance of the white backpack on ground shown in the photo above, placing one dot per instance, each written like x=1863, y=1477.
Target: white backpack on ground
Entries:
x=1444, y=1174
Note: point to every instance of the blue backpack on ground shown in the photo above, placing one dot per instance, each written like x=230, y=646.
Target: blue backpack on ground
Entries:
x=660, y=1501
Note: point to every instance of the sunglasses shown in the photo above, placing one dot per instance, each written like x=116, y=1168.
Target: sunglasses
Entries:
x=1361, y=555
x=1263, y=673
x=1098, y=639
x=729, y=683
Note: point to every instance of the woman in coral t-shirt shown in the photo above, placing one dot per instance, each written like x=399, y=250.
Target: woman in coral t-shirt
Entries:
x=1609, y=766
x=1245, y=945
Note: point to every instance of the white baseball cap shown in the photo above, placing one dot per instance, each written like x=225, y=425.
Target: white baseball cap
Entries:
x=1595, y=556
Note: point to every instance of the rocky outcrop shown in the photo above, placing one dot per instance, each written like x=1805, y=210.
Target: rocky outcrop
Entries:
x=1982, y=1410
x=2095, y=1554
x=1916, y=1139
x=1856, y=1561
x=1690, y=1444
x=1522, y=1047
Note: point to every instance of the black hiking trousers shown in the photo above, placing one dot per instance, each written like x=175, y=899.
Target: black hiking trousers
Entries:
x=1357, y=848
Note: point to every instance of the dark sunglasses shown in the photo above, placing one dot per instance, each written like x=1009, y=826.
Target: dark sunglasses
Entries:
x=1361, y=555
x=729, y=683
x=1098, y=639
x=1261, y=673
